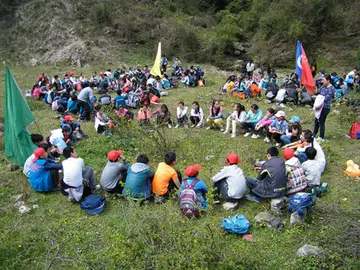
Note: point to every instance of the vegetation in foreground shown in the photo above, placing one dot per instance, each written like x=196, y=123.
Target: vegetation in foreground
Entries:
x=58, y=234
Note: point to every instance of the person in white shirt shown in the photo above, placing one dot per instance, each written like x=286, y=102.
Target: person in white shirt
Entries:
x=250, y=68
x=78, y=180
x=181, y=115
x=196, y=115
x=235, y=119
x=230, y=183
x=312, y=168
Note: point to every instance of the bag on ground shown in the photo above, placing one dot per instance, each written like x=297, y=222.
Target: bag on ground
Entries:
x=238, y=224
x=355, y=131
x=93, y=204
x=301, y=201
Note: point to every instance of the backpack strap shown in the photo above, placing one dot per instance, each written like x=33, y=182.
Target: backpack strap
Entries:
x=192, y=185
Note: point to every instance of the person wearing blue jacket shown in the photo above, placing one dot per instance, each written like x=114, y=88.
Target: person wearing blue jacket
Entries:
x=43, y=175
x=251, y=119
x=277, y=128
x=192, y=172
x=138, y=179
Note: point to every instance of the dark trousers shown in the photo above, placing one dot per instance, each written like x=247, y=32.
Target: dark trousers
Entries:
x=172, y=186
x=248, y=126
x=160, y=121
x=85, y=110
x=320, y=123
x=276, y=136
x=119, y=186
x=222, y=187
x=54, y=174
x=195, y=120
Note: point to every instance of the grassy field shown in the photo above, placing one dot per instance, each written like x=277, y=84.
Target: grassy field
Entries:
x=58, y=234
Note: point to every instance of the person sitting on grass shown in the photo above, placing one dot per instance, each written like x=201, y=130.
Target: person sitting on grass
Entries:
x=102, y=124
x=277, y=128
x=138, y=179
x=78, y=181
x=124, y=113
x=72, y=105
x=251, y=119
x=181, y=115
x=114, y=174
x=75, y=129
x=230, y=183
x=192, y=173
x=235, y=119
x=163, y=116
x=312, y=168
x=44, y=172
x=120, y=99
x=296, y=175
x=216, y=118
x=293, y=131
x=105, y=98
x=196, y=115
x=271, y=180
x=143, y=116
x=263, y=124
x=166, y=179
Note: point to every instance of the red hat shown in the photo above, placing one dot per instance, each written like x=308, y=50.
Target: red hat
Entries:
x=102, y=73
x=38, y=153
x=191, y=170
x=288, y=153
x=72, y=74
x=40, y=77
x=233, y=158
x=68, y=118
x=113, y=155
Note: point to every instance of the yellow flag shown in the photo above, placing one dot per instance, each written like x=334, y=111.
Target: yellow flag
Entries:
x=155, y=70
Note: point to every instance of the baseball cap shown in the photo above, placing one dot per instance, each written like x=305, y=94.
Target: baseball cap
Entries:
x=113, y=155
x=233, y=158
x=38, y=153
x=72, y=74
x=288, y=153
x=280, y=114
x=68, y=118
x=191, y=170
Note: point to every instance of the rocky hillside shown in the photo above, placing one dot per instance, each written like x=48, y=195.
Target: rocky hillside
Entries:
x=219, y=32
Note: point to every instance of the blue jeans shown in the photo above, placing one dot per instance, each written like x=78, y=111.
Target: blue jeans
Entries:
x=301, y=156
x=184, y=120
x=252, y=182
x=286, y=139
x=248, y=126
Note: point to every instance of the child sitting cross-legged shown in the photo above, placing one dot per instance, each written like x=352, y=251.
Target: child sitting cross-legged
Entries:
x=181, y=115
x=235, y=119
x=312, y=167
x=163, y=116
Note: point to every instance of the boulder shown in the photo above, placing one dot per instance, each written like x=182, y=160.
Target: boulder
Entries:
x=278, y=205
x=78, y=63
x=239, y=47
x=237, y=53
x=308, y=250
x=33, y=62
x=265, y=218
x=295, y=218
x=17, y=197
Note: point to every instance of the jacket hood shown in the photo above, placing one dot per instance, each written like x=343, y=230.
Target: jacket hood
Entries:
x=139, y=167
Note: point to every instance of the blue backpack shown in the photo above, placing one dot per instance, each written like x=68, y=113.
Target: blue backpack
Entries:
x=236, y=224
x=93, y=204
x=301, y=200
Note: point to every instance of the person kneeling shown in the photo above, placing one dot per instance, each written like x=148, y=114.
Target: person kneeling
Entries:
x=271, y=180
x=79, y=181
x=230, y=182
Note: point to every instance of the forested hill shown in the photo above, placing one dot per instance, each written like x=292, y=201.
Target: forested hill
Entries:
x=219, y=31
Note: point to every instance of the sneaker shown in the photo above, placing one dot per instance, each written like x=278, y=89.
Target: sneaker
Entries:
x=267, y=140
x=278, y=145
x=252, y=198
x=222, y=129
x=254, y=136
x=169, y=126
x=247, y=134
x=230, y=206
x=208, y=128
x=257, y=136
x=226, y=132
x=176, y=126
x=216, y=200
x=96, y=188
x=192, y=126
x=233, y=135
x=320, y=140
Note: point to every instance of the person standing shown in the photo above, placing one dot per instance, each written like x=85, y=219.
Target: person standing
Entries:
x=86, y=97
x=164, y=63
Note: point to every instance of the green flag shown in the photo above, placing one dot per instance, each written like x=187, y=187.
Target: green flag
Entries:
x=18, y=144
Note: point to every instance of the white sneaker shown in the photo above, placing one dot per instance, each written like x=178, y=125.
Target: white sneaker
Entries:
x=254, y=136
x=208, y=128
x=226, y=132
x=222, y=129
x=233, y=135
x=267, y=140
x=247, y=134
x=169, y=126
x=278, y=145
x=229, y=206
x=97, y=187
x=176, y=126
x=257, y=136
x=192, y=126
x=320, y=140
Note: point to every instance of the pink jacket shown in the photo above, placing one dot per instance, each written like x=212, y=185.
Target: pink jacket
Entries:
x=143, y=115
x=37, y=92
x=265, y=121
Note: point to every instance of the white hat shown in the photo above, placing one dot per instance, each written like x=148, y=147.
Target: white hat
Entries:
x=280, y=114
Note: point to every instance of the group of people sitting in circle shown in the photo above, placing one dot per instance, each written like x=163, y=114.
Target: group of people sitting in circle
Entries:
x=300, y=168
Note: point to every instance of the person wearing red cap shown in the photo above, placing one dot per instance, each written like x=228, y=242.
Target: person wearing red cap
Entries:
x=41, y=178
x=296, y=174
x=192, y=172
x=114, y=174
x=230, y=183
x=76, y=132
x=271, y=180
x=78, y=180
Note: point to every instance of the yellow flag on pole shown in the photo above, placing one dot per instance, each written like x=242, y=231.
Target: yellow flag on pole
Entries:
x=155, y=70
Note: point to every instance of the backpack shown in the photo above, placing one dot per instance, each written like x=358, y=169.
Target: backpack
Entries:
x=93, y=204
x=355, y=131
x=132, y=101
x=301, y=200
x=236, y=224
x=49, y=97
x=191, y=81
x=188, y=200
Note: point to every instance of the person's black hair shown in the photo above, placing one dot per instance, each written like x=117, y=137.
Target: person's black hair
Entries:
x=45, y=146
x=255, y=107
x=142, y=159
x=328, y=77
x=310, y=153
x=213, y=107
x=273, y=151
x=68, y=150
x=149, y=84
x=170, y=158
x=271, y=110
x=73, y=97
x=97, y=107
x=36, y=138
x=198, y=109
x=240, y=108
x=56, y=76
x=119, y=92
x=308, y=136
x=157, y=78
x=181, y=103
x=334, y=74
x=163, y=106
x=92, y=84
x=65, y=129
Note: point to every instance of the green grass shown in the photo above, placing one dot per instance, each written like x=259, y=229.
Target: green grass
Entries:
x=127, y=236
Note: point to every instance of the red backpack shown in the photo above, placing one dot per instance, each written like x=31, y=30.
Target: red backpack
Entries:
x=355, y=131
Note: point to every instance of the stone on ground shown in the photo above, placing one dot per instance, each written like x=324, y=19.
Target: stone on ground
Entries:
x=308, y=250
